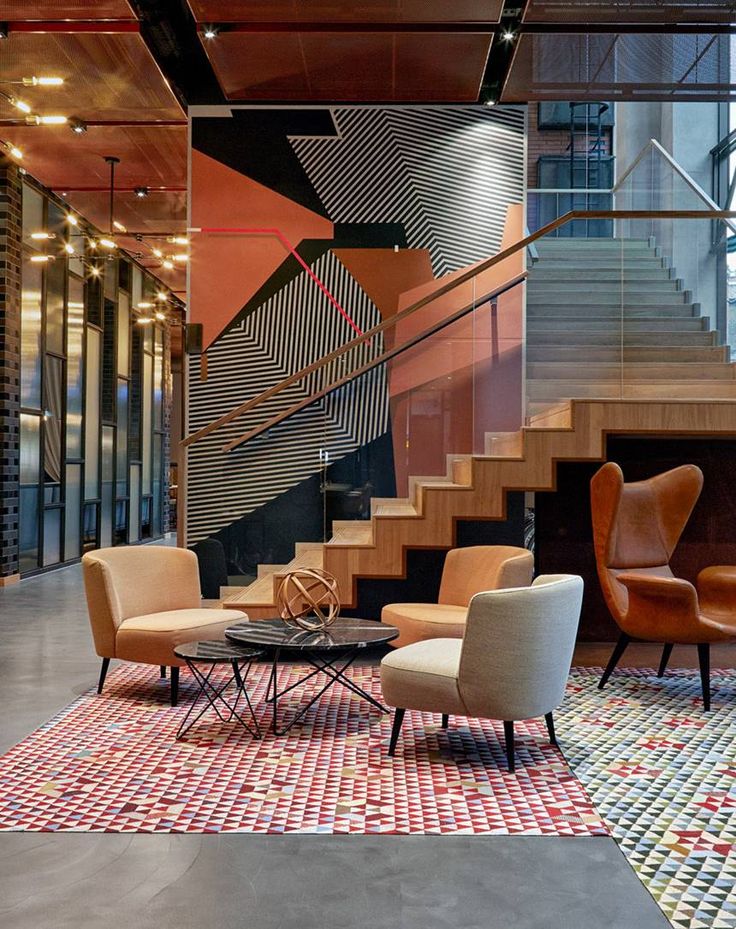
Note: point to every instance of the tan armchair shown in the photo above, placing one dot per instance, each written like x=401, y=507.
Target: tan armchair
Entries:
x=512, y=663
x=143, y=601
x=467, y=571
x=636, y=528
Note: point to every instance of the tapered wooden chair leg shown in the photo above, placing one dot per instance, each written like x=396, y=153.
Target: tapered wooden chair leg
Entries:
x=103, y=674
x=398, y=720
x=666, y=652
x=174, y=686
x=508, y=733
x=623, y=641
x=704, y=662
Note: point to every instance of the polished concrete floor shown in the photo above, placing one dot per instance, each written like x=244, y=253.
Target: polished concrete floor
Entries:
x=269, y=882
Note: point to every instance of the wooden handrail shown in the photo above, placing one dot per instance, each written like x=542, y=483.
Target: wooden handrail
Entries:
x=376, y=362
x=518, y=246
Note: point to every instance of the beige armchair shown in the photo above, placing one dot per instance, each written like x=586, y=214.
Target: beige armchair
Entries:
x=467, y=571
x=144, y=600
x=512, y=663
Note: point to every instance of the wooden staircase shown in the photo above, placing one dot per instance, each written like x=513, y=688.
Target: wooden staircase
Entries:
x=475, y=487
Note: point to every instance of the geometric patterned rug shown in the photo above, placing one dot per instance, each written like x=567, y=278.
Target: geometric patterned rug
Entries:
x=662, y=773
x=111, y=763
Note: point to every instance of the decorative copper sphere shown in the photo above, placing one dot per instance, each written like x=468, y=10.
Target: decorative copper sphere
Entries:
x=308, y=598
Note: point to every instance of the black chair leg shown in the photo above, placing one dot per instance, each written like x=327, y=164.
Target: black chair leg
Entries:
x=666, y=652
x=174, y=686
x=508, y=734
x=623, y=641
x=549, y=719
x=445, y=720
x=103, y=674
x=162, y=669
x=398, y=720
x=704, y=662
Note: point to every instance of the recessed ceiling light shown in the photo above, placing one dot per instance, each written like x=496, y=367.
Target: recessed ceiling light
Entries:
x=77, y=125
x=210, y=32
x=141, y=192
x=508, y=35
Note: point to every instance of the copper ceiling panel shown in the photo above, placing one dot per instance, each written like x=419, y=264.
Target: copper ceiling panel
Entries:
x=346, y=11
x=160, y=212
x=631, y=11
x=350, y=67
x=149, y=156
x=35, y=10
x=112, y=77
x=642, y=66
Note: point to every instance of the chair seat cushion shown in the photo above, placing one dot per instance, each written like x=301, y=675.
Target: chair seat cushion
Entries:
x=424, y=676
x=151, y=638
x=419, y=621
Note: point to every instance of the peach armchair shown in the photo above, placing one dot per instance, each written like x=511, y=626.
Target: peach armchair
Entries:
x=143, y=601
x=636, y=528
x=511, y=664
x=467, y=571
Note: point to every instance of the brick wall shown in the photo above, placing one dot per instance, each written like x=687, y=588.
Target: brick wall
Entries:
x=10, y=301
x=552, y=142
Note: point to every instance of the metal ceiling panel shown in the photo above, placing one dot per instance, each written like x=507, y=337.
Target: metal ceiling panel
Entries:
x=44, y=10
x=621, y=67
x=149, y=156
x=111, y=77
x=162, y=211
x=631, y=11
x=350, y=67
x=346, y=11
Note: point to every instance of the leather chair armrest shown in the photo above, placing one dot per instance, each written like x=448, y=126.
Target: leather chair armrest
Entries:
x=664, y=609
x=717, y=587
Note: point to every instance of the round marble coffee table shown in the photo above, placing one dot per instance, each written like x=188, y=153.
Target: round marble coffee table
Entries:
x=202, y=658
x=330, y=652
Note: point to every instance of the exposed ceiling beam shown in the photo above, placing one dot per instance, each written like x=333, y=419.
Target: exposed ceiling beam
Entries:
x=502, y=51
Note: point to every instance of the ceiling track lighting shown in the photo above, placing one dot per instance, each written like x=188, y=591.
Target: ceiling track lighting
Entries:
x=77, y=125
x=141, y=192
x=4, y=30
x=508, y=35
x=119, y=226
x=178, y=240
x=211, y=31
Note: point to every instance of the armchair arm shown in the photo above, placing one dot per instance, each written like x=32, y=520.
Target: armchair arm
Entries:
x=717, y=587
x=664, y=609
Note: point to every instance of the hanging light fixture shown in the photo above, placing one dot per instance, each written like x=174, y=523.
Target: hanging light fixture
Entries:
x=112, y=160
x=43, y=81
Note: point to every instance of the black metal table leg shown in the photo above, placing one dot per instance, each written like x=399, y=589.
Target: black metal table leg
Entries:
x=213, y=694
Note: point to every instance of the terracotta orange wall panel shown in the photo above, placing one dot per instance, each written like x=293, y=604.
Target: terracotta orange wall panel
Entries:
x=384, y=273
x=228, y=269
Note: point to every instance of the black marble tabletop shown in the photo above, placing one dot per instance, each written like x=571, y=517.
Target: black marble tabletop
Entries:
x=343, y=633
x=213, y=652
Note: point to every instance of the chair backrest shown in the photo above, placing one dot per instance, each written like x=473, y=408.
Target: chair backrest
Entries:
x=212, y=567
x=518, y=647
x=470, y=570
x=133, y=581
x=637, y=526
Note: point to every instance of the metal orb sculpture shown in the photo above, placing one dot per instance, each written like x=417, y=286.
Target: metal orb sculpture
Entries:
x=308, y=599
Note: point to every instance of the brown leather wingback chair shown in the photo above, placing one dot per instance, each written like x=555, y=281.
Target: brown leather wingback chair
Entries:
x=636, y=528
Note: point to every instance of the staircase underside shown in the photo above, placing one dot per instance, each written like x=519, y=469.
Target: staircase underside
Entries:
x=475, y=487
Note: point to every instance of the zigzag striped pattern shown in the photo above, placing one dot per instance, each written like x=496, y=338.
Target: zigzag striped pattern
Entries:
x=297, y=326
x=447, y=174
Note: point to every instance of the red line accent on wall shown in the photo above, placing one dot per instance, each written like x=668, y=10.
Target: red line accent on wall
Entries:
x=290, y=248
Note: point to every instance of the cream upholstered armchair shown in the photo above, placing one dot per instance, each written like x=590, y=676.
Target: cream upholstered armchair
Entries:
x=467, y=571
x=511, y=664
x=144, y=600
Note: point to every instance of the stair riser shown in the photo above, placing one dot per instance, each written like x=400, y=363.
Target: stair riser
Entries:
x=542, y=275
x=581, y=372
x=561, y=323
x=537, y=288
x=613, y=354
x=603, y=311
x=552, y=392
x=631, y=338
x=585, y=295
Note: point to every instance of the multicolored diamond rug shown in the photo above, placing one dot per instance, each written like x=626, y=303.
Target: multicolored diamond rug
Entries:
x=662, y=773
x=111, y=763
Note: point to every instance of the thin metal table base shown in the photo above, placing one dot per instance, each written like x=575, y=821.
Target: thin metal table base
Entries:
x=215, y=692
x=333, y=668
